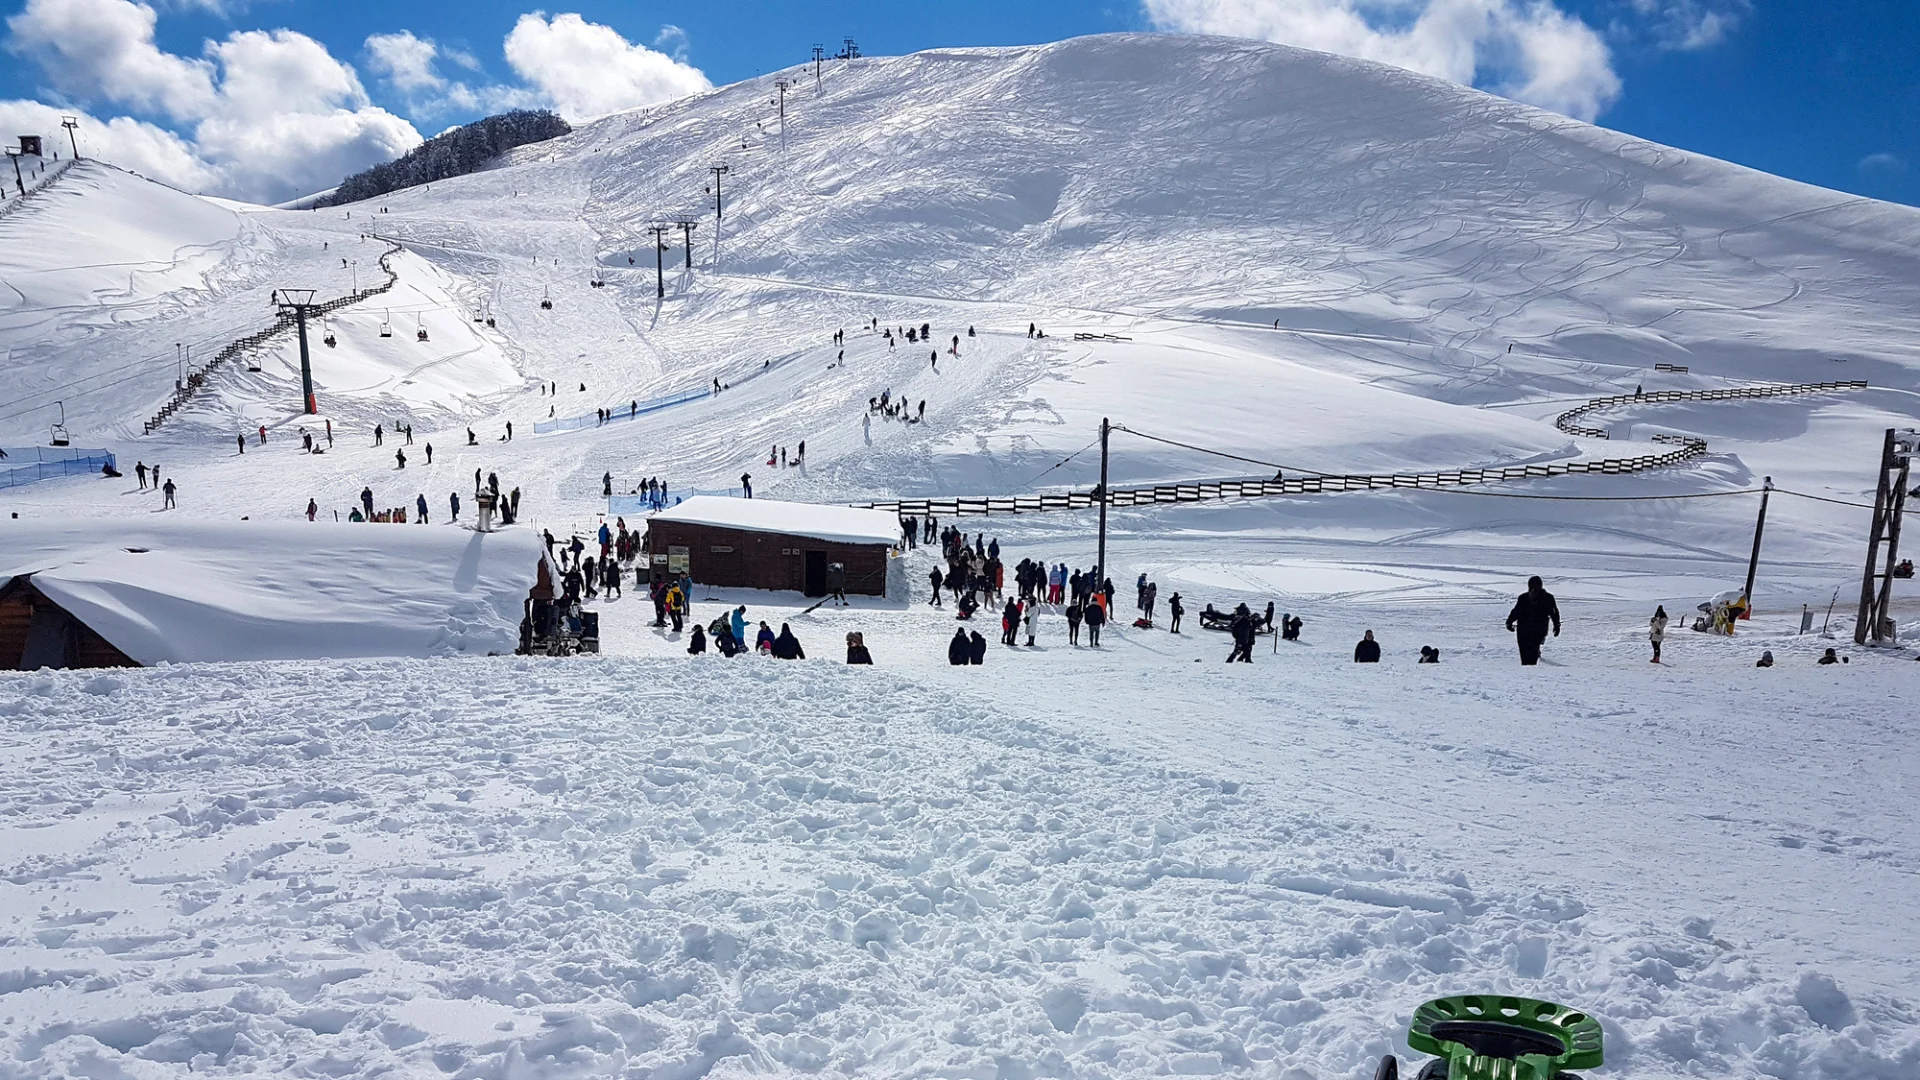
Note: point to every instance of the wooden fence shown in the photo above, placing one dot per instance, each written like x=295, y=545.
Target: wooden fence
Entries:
x=281, y=323
x=1569, y=421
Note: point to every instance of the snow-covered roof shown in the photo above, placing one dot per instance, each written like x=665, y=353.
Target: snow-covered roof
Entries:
x=842, y=524
x=239, y=590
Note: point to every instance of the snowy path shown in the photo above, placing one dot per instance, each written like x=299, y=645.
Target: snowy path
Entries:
x=510, y=868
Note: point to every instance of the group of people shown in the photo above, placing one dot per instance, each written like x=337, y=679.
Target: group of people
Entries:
x=149, y=476
x=728, y=633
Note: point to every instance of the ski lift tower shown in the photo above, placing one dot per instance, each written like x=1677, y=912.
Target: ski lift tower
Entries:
x=14, y=152
x=849, y=49
x=298, y=302
x=1875, y=623
x=70, y=123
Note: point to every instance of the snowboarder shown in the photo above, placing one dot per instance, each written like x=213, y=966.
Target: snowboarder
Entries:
x=1367, y=651
x=1529, y=619
x=1657, y=630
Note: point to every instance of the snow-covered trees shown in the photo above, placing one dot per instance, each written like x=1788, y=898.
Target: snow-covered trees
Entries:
x=453, y=153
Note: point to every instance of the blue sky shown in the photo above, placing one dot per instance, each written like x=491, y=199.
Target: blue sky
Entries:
x=1826, y=92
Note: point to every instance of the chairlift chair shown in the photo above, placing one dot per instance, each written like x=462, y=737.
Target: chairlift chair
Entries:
x=253, y=360
x=419, y=334
x=60, y=437
x=386, y=327
x=329, y=340
x=546, y=299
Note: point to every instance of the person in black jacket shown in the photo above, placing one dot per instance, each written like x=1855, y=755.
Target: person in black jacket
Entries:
x=1368, y=651
x=958, y=650
x=786, y=646
x=1242, y=629
x=976, y=649
x=857, y=649
x=1175, y=609
x=1529, y=619
x=1096, y=616
x=699, y=643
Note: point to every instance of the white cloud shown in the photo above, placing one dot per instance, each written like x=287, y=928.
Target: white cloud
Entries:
x=131, y=144
x=1526, y=49
x=104, y=49
x=405, y=61
x=1883, y=163
x=587, y=70
x=271, y=114
x=1685, y=25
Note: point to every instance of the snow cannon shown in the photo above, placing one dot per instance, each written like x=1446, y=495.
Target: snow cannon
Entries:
x=1483, y=1037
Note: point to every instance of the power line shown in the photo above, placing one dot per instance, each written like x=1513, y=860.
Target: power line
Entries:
x=1058, y=464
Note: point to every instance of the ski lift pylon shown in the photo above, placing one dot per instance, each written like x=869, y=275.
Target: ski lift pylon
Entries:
x=60, y=437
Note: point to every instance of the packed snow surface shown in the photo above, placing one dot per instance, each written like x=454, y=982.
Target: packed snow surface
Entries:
x=1128, y=861
x=185, y=591
x=846, y=524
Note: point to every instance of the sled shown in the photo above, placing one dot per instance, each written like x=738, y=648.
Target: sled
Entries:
x=1488, y=1037
x=1223, y=622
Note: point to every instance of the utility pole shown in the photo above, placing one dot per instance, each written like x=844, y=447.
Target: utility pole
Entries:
x=14, y=153
x=686, y=230
x=299, y=308
x=1753, y=563
x=819, y=54
x=659, y=253
x=71, y=122
x=1100, y=493
x=1889, y=503
x=718, y=171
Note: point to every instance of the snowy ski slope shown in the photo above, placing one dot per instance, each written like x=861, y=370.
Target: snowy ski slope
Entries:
x=1068, y=862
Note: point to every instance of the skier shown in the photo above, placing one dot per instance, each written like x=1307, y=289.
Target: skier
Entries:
x=1368, y=651
x=1529, y=619
x=167, y=503
x=1657, y=630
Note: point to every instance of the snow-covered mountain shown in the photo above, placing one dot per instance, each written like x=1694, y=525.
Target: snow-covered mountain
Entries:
x=1068, y=862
